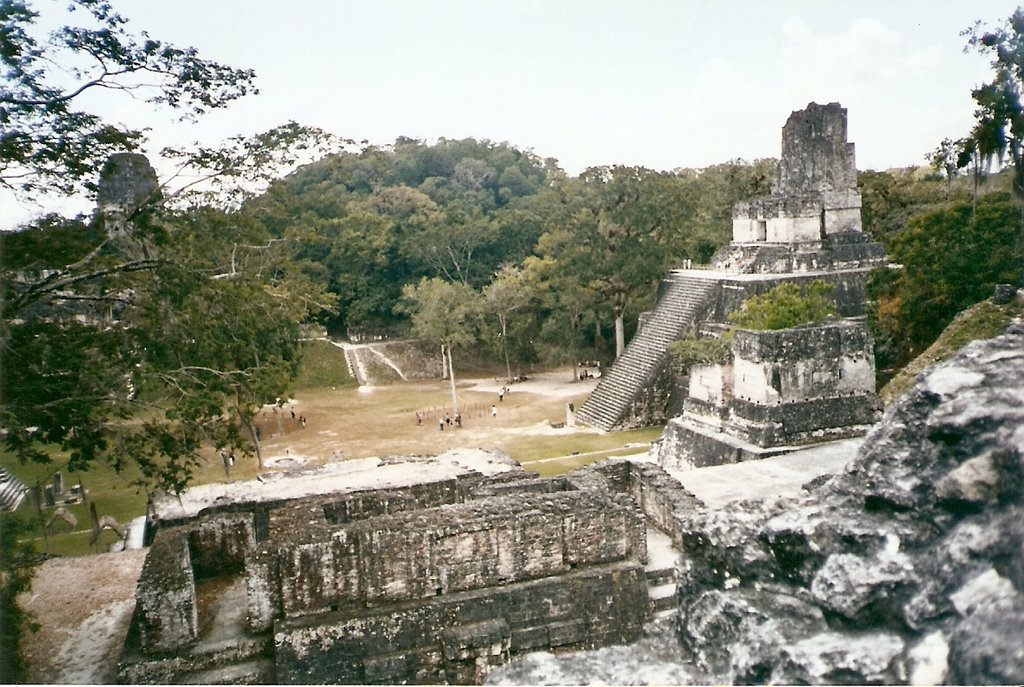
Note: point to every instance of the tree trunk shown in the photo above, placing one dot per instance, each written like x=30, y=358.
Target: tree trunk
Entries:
x=451, y=378
x=246, y=422
x=504, y=346
x=620, y=333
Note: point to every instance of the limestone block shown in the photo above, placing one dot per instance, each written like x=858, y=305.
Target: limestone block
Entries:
x=421, y=641
x=974, y=481
x=738, y=633
x=165, y=597
x=838, y=657
x=857, y=586
x=219, y=544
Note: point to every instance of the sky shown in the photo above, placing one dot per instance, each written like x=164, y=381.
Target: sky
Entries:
x=658, y=83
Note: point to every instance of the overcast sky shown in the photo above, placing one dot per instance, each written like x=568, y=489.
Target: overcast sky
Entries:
x=660, y=83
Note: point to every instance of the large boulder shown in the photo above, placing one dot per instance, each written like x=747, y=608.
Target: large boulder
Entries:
x=913, y=557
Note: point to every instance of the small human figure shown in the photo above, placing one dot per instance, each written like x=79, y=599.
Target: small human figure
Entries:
x=448, y=419
x=494, y=410
x=440, y=423
x=458, y=419
x=293, y=414
x=259, y=434
x=501, y=394
x=419, y=418
x=302, y=421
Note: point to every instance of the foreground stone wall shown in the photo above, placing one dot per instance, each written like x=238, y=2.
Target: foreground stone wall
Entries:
x=908, y=567
x=165, y=597
x=428, y=581
x=454, y=638
x=437, y=551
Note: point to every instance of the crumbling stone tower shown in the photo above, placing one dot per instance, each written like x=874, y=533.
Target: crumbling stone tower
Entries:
x=807, y=229
x=814, y=195
x=127, y=182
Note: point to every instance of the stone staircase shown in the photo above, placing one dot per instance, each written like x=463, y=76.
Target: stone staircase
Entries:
x=684, y=298
x=12, y=491
x=661, y=573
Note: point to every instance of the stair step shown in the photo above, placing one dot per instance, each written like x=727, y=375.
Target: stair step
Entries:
x=663, y=613
x=659, y=577
x=665, y=603
x=662, y=591
x=259, y=671
x=674, y=312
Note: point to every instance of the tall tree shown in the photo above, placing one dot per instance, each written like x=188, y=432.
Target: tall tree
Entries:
x=132, y=341
x=999, y=130
x=624, y=229
x=442, y=312
x=505, y=295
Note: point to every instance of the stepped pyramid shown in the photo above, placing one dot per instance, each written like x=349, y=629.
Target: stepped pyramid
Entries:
x=808, y=228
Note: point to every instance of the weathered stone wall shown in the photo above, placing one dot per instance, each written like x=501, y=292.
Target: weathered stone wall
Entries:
x=802, y=422
x=816, y=156
x=791, y=386
x=433, y=581
x=126, y=181
x=803, y=363
x=659, y=400
x=814, y=194
x=849, y=291
x=658, y=495
x=165, y=597
x=218, y=545
x=439, y=550
x=455, y=637
x=908, y=567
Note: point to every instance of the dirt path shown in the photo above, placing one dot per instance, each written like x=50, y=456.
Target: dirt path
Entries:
x=83, y=606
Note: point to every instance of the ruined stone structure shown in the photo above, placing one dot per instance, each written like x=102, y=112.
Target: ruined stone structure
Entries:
x=906, y=567
x=779, y=389
x=12, y=491
x=807, y=229
x=405, y=570
x=127, y=181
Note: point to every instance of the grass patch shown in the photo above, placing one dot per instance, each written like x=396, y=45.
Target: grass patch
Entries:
x=323, y=367
x=529, y=449
x=112, y=492
x=553, y=467
x=981, y=321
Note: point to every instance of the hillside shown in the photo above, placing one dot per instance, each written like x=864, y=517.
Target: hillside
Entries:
x=980, y=321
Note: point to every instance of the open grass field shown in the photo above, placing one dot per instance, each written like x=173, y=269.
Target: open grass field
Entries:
x=345, y=421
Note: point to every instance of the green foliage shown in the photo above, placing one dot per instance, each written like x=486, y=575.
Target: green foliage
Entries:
x=17, y=564
x=692, y=350
x=138, y=347
x=998, y=133
x=980, y=321
x=323, y=366
x=952, y=257
x=785, y=306
x=132, y=354
x=442, y=312
x=891, y=198
x=49, y=144
x=372, y=221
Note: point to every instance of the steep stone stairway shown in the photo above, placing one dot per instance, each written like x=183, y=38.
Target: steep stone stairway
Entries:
x=661, y=573
x=12, y=491
x=681, y=303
